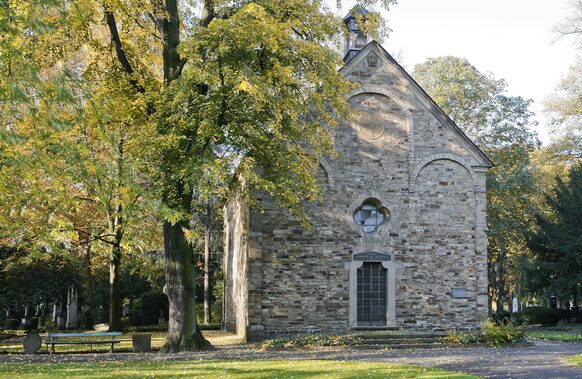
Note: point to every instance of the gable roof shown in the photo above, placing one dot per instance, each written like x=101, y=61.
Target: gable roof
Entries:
x=427, y=101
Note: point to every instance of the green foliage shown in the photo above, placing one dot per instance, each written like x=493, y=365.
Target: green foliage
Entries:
x=555, y=335
x=564, y=109
x=215, y=311
x=544, y=316
x=454, y=336
x=491, y=333
x=497, y=335
x=34, y=280
x=152, y=305
x=504, y=317
x=557, y=241
x=310, y=340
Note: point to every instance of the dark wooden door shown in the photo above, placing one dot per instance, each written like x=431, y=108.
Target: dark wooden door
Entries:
x=372, y=294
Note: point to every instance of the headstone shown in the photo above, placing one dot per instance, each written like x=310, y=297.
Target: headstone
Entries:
x=141, y=342
x=25, y=323
x=56, y=311
x=61, y=322
x=515, y=305
x=31, y=343
x=126, y=310
x=72, y=309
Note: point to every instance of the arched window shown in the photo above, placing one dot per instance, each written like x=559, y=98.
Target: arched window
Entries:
x=371, y=215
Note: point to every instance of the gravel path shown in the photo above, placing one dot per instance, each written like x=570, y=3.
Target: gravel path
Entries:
x=543, y=360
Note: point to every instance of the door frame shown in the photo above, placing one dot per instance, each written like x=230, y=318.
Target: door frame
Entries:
x=357, y=261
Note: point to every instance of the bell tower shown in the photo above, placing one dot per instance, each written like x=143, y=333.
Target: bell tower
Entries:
x=356, y=39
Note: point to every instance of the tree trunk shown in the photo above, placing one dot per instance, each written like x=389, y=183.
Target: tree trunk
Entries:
x=500, y=284
x=183, y=333
x=89, y=301
x=114, y=289
x=207, y=315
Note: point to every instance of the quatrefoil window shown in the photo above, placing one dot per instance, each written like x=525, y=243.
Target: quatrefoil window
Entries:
x=371, y=215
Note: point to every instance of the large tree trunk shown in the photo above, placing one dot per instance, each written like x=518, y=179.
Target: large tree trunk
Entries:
x=183, y=332
x=114, y=289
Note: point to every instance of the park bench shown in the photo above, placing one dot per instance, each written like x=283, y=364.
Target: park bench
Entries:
x=92, y=338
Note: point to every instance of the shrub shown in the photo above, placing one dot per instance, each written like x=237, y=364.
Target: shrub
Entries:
x=496, y=335
x=544, y=316
x=147, y=328
x=151, y=305
x=504, y=317
x=463, y=337
x=11, y=324
x=490, y=333
x=215, y=312
x=311, y=340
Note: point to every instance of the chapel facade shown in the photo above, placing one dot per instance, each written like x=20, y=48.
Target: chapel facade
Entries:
x=399, y=240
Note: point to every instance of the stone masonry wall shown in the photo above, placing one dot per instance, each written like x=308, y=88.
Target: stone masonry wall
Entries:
x=399, y=152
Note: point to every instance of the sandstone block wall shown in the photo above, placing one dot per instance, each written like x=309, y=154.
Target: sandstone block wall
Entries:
x=399, y=151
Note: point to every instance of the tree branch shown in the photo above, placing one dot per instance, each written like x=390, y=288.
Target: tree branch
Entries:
x=120, y=51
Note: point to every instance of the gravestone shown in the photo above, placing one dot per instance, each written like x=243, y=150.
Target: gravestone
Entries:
x=31, y=343
x=56, y=311
x=515, y=305
x=26, y=323
x=141, y=342
x=72, y=309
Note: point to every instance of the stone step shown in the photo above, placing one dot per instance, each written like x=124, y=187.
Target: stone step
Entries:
x=394, y=341
x=412, y=346
x=399, y=336
x=373, y=328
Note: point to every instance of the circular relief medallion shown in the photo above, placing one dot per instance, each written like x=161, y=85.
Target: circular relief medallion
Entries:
x=371, y=126
x=427, y=135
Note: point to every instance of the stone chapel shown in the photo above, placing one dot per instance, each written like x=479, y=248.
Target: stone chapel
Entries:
x=399, y=240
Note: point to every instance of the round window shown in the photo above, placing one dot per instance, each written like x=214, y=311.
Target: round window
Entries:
x=370, y=216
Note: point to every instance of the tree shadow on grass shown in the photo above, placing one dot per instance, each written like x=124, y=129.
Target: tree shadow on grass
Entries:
x=224, y=369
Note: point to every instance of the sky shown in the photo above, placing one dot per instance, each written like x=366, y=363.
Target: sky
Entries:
x=511, y=39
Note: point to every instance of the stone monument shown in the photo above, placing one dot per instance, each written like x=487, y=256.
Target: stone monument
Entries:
x=72, y=309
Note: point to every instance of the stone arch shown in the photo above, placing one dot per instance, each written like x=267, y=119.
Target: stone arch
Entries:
x=391, y=94
x=437, y=157
x=324, y=164
x=388, y=92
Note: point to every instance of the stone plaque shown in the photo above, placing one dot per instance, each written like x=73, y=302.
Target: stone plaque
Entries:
x=460, y=293
x=372, y=256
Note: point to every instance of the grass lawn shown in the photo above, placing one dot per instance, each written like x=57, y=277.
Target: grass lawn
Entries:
x=575, y=360
x=218, y=369
x=555, y=335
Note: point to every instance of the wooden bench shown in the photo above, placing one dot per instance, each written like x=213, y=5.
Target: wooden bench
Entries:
x=92, y=338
